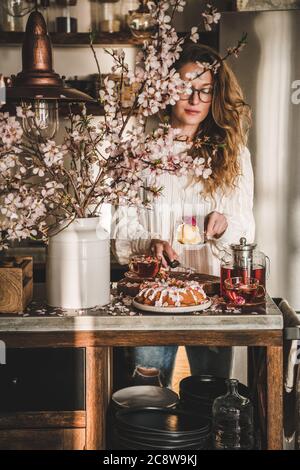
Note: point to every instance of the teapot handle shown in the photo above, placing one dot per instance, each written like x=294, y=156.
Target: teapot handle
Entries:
x=219, y=249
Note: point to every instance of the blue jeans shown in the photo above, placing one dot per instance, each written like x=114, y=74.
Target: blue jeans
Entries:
x=202, y=360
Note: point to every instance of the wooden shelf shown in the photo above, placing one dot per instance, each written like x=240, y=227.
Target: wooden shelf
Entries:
x=74, y=39
x=10, y=38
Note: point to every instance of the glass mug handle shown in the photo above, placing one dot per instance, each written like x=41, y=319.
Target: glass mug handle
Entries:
x=268, y=265
x=263, y=292
x=131, y=266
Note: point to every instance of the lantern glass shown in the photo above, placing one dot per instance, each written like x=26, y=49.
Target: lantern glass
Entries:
x=45, y=118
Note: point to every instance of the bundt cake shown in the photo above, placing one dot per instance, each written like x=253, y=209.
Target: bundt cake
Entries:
x=171, y=293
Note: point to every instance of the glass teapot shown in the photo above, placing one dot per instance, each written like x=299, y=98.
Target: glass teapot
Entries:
x=243, y=260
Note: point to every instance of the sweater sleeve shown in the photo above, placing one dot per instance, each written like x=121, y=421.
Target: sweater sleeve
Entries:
x=130, y=233
x=238, y=206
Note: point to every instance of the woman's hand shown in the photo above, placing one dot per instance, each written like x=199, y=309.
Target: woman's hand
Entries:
x=215, y=224
x=157, y=249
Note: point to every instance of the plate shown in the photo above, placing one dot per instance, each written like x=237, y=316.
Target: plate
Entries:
x=192, y=308
x=162, y=421
x=145, y=395
x=246, y=305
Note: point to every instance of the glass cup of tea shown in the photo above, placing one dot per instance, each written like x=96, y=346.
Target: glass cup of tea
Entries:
x=145, y=266
x=240, y=291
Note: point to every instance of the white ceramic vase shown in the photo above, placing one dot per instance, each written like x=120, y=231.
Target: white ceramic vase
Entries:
x=78, y=266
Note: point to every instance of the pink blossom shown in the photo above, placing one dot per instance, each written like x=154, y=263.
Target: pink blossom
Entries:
x=38, y=171
x=194, y=34
x=100, y=162
x=211, y=16
x=52, y=154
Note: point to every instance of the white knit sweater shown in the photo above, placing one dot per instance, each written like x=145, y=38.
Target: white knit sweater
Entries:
x=135, y=227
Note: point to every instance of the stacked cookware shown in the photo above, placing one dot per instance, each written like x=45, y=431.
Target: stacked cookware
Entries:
x=160, y=428
x=145, y=417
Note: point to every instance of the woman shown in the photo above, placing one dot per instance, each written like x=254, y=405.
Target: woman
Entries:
x=222, y=202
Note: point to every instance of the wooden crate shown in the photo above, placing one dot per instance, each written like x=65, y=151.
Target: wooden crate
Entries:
x=16, y=284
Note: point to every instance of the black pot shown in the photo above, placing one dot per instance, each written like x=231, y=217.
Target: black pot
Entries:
x=200, y=391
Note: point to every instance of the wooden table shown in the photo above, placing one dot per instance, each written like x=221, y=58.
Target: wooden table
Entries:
x=99, y=332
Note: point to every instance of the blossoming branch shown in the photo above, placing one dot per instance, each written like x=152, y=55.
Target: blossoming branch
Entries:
x=43, y=183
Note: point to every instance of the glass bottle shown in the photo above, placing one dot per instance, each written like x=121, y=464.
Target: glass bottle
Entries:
x=12, y=14
x=110, y=20
x=233, y=420
x=67, y=21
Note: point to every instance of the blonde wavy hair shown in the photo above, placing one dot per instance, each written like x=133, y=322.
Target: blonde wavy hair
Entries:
x=227, y=122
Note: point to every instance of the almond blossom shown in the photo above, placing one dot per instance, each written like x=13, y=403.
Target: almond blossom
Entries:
x=43, y=183
x=194, y=34
x=211, y=16
x=52, y=153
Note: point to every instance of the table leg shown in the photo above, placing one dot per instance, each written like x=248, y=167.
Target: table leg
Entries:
x=257, y=385
x=98, y=390
x=274, y=397
x=250, y=368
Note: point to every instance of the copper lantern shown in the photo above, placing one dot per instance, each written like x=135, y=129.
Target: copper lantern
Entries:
x=37, y=84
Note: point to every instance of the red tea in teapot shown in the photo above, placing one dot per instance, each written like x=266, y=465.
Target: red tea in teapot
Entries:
x=245, y=261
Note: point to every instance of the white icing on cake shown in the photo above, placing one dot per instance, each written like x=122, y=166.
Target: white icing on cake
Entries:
x=173, y=289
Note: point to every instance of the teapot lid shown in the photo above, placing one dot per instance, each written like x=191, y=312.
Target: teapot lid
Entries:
x=243, y=246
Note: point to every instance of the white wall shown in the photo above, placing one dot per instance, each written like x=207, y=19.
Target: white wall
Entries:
x=191, y=16
x=68, y=60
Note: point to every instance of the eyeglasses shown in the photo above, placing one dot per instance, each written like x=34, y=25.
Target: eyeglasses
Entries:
x=204, y=94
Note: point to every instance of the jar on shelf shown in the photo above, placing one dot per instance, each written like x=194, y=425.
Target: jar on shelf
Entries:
x=12, y=13
x=240, y=5
x=233, y=427
x=66, y=22
x=110, y=16
x=141, y=22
